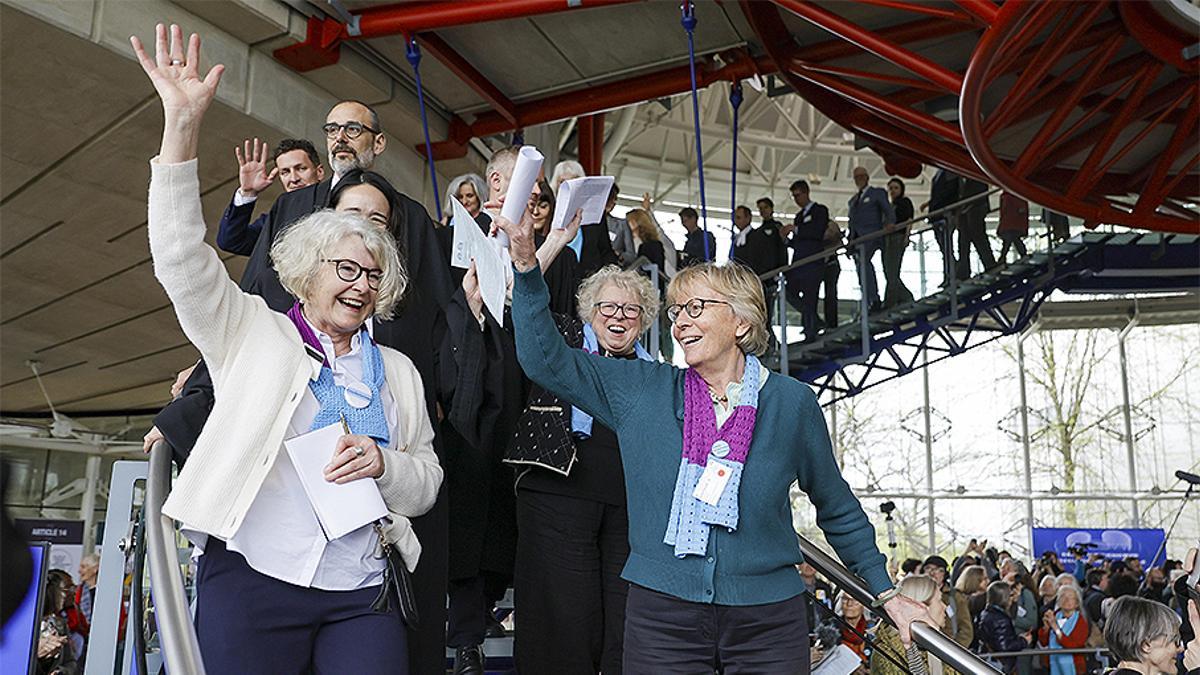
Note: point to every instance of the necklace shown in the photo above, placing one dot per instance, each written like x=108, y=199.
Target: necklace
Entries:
x=723, y=399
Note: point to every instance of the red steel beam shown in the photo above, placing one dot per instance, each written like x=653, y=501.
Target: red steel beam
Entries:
x=1155, y=189
x=414, y=17
x=469, y=75
x=645, y=87
x=984, y=10
x=928, y=10
x=874, y=43
x=923, y=29
x=855, y=73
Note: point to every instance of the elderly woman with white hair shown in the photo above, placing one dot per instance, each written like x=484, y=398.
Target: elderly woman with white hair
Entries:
x=925, y=590
x=573, y=533
x=710, y=454
x=1065, y=627
x=274, y=592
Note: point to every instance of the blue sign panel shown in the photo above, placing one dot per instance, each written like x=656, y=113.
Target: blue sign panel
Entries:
x=1110, y=543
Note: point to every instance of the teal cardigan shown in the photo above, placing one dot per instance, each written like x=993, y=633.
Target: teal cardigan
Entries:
x=643, y=403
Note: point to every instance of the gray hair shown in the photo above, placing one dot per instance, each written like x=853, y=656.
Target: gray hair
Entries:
x=503, y=161
x=919, y=587
x=998, y=593
x=1134, y=622
x=740, y=288
x=626, y=280
x=566, y=170
x=1068, y=588
x=298, y=254
x=90, y=560
x=476, y=181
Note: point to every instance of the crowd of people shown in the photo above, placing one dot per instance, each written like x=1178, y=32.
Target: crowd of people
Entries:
x=66, y=617
x=542, y=449
x=1107, y=612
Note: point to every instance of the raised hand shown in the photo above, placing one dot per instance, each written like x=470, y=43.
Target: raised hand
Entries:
x=473, y=292
x=646, y=202
x=184, y=94
x=253, y=176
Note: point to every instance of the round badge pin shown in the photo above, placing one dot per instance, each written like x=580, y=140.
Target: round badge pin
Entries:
x=720, y=449
x=358, y=395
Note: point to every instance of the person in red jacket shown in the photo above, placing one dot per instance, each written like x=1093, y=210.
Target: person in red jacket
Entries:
x=1066, y=628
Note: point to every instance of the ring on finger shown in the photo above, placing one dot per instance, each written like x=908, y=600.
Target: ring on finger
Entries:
x=176, y=62
x=359, y=451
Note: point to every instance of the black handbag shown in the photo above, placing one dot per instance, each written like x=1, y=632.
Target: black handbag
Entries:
x=397, y=589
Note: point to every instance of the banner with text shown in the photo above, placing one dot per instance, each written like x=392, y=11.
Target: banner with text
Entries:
x=1114, y=543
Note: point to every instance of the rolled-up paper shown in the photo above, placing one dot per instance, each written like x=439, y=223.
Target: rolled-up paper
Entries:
x=520, y=186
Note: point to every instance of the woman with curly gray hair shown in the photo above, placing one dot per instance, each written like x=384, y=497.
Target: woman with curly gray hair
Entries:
x=276, y=592
x=573, y=534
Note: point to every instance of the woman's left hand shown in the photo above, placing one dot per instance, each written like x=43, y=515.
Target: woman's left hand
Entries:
x=1191, y=655
x=904, y=611
x=348, y=464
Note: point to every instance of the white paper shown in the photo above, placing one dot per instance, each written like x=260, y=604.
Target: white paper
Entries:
x=589, y=193
x=491, y=259
x=520, y=186
x=341, y=509
x=712, y=482
x=840, y=660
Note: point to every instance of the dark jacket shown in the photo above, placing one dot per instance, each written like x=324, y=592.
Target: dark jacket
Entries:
x=994, y=632
x=543, y=437
x=693, y=248
x=943, y=191
x=236, y=234
x=596, y=250
x=763, y=251
x=808, y=238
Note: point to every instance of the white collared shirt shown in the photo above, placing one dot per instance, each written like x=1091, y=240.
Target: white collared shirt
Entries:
x=280, y=535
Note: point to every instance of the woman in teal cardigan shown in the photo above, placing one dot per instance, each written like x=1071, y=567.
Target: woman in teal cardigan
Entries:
x=710, y=454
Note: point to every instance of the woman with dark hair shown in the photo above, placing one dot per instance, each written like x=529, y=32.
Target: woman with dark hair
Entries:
x=56, y=656
x=562, y=275
x=371, y=196
x=893, y=247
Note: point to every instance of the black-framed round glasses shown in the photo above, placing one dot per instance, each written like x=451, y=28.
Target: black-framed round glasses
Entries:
x=611, y=309
x=694, y=308
x=353, y=129
x=349, y=271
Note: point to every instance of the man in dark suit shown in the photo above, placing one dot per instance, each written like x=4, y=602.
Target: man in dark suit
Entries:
x=354, y=138
x=759, y=248
x=870, y=212
x=806, y=238
x=296, y=164
x=943, y=191
x=972, y=228
x=700, y=245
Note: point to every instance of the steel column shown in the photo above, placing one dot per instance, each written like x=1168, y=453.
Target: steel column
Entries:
x=87, y=508
x=1127, y=415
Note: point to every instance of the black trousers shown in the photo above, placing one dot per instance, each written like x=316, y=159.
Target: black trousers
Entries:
x=568, y=590
x=942, y=232
x=833, y=269
x=893, y=256
x=665, y=635
x=972, y=232
x=471, y=600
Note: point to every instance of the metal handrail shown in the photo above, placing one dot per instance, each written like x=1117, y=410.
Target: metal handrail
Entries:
x=927, y=637
x=890, y=229
x=177, y=635
x=1044, y=651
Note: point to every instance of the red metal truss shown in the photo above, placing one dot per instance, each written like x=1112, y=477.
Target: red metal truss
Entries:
x=1057, y=63
x=1112, y=102
x=590, y=139
x=322, y=46
x=645, y=87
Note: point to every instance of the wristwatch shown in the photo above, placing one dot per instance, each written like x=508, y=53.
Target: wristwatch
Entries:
x=885, y=596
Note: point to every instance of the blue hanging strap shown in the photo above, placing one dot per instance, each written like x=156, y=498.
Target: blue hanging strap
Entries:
x=688, y=9
x=414, y=57
x=735, y=100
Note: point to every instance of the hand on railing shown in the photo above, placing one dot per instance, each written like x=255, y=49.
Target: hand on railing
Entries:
x=904, y=612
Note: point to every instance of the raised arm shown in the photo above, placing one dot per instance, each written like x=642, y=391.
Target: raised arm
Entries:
x=209, y=305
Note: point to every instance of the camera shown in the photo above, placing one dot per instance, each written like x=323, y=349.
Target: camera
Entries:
x=887, y=507
x=1081, y=550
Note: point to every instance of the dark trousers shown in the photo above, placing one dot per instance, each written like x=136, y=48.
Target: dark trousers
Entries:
x=427, y=641
x=972, y=232
x=471, y=600
x=248, y=622
x=1011, y=240
x=893, y=256
x=864, y=263
x=942, y=232
x=665, y=635
x=829, y=279
x=568, y=589
x=802, y=286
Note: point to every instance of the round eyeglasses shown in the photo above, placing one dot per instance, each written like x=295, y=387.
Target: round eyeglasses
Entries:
x=352, y=129
x=349, y=271
x=612, y=309
x=694, y=308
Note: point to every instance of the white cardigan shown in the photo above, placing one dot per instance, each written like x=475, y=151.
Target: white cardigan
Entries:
x=260, y=370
